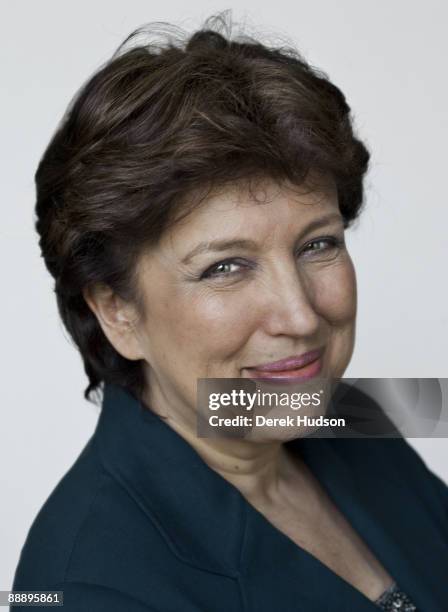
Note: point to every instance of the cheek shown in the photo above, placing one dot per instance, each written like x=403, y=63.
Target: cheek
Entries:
x=335, y=292
x=206, y=324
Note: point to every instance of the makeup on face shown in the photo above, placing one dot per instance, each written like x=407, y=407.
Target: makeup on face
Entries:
x=243, y=289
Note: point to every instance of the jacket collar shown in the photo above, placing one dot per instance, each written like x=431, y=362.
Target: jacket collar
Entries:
x=199, y=513
x=208, y=523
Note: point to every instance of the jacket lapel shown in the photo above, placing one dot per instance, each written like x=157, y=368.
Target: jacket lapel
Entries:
x=389, y=513
x=200, y=515
x=208, y=523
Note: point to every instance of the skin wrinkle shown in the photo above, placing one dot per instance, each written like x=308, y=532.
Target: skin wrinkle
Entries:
x=283, y=301
x=279, y=301
x=215, y=328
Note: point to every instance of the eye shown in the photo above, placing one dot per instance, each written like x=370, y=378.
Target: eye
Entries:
x=225, y=268
x=325, y=247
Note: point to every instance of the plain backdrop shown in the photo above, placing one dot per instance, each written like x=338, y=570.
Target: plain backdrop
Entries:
x=389, y=58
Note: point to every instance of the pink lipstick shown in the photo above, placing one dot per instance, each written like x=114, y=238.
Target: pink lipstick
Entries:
x=295, y=368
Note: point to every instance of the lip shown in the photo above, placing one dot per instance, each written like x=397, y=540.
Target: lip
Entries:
x=295, y=368
x=288, y=376
x=290, y=363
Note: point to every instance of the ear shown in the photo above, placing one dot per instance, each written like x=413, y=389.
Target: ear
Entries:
x=116, y=318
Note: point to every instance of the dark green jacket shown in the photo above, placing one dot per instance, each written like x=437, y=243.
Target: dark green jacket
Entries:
x=141, y=523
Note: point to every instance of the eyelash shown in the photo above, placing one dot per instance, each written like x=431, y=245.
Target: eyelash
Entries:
x=333, y=241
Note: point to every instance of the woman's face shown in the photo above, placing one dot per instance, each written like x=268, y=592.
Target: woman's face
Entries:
x=239, y=283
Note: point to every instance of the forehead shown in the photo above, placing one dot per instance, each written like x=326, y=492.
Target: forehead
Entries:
x=254, y=210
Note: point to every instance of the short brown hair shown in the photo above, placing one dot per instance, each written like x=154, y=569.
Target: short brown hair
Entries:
x=149, y=128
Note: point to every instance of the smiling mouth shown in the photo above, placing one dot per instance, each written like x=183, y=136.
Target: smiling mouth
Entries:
x=299, y=374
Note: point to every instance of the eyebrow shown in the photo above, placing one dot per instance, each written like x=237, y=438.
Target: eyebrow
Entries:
x=220, y=245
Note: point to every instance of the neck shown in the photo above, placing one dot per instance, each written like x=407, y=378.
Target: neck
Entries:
x=257, y=469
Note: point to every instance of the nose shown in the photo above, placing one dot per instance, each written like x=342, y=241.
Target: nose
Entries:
x=289, y=305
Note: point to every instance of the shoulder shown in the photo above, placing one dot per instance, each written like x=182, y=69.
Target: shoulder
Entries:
x=94, y=540
x=392, y=459
x=90, y=525
x=396, y=452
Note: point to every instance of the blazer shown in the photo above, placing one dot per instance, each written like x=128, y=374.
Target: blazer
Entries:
x=141, y=523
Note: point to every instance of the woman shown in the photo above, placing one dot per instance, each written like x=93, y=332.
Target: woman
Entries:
x=191, y=208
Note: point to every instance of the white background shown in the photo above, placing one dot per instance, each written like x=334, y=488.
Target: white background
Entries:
x=389, y=58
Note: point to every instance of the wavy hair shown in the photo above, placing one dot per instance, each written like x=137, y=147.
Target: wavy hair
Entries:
x=153, y=126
